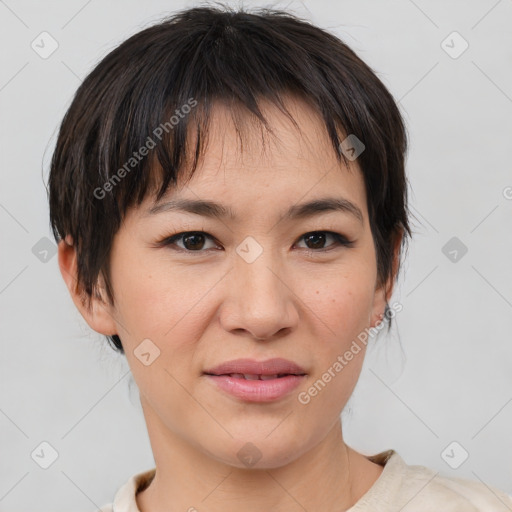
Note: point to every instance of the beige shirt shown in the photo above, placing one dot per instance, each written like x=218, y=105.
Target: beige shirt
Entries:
x=400, y=487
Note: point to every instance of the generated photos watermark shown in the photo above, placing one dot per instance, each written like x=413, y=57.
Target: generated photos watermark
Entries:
x=138, y=156
x=304, y=397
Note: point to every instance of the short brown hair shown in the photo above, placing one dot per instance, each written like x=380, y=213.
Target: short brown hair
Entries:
x=203, y=55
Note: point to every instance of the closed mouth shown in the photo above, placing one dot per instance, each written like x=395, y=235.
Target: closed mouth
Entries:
x=248, y=376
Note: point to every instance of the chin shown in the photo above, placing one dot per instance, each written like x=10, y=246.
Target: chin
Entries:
x=261, y=451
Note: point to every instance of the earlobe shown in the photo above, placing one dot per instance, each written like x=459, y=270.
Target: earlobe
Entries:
x=97, y=313
x=379, y=305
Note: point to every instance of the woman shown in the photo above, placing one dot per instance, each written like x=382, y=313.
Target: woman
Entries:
x=229, y=196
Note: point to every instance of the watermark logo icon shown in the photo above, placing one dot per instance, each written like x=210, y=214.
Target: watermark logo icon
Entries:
x=249, y=249
x=454, y=455
x=44, y=250
x=249, y=454
x=454, y=45
x=352, y=147
x=44, y=455
x=146, y=352
x=454, y=249
x=44, y=45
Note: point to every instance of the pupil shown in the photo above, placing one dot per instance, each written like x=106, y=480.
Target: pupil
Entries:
x=187, y=238
x=321, y=236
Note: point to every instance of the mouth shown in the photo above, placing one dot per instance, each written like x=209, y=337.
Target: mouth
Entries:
x=248, y=376
x=256, y=388
x=251, y=369
x=250, y=380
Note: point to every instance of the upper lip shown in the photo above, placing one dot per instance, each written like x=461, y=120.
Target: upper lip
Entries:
x=273, y=366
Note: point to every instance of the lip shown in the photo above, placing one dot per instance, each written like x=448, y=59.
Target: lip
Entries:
x=251, y=366
x=257, y=390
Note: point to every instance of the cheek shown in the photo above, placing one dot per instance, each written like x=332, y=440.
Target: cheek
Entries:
x=341, y=301
x=152, y=297
x=341, y=312
x=163, y=306
x=169, y=306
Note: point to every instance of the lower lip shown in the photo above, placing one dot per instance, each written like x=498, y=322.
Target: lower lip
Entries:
x=257, y=390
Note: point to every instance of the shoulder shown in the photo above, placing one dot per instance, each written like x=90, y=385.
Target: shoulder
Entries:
x=125, y=497
x=426, y=487
x=421, y=489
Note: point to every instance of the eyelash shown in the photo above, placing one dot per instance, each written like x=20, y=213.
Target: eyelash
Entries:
x=341, y=241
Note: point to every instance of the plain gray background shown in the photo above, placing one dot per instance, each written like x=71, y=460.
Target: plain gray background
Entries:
x=444, y=373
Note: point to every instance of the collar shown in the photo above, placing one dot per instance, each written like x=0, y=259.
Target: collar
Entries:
x=125, y=501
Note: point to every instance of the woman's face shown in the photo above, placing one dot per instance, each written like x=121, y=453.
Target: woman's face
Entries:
x=252, y=286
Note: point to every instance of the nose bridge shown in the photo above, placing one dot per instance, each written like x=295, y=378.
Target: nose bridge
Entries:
x=257, y=269
x=260, y=302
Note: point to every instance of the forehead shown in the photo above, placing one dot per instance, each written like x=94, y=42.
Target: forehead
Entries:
x=244, y=166
x=237, y=138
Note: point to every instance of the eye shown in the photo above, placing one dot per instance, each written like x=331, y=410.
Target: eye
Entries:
x=194, y=241
x=317, y=239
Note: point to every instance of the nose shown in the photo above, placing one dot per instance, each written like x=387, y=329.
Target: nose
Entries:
x=259, y=299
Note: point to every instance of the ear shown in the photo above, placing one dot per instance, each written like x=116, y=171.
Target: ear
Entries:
x=99, y=315
x=383, y=293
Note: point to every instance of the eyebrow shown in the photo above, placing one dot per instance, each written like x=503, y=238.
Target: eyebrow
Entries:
x=212, y=209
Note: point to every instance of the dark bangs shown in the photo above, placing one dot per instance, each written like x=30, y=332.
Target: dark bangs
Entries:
x=125, y=133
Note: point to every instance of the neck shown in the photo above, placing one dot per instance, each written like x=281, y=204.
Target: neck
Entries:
x=331, y=476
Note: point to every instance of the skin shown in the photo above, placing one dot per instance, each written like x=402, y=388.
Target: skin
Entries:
x=208, y=306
